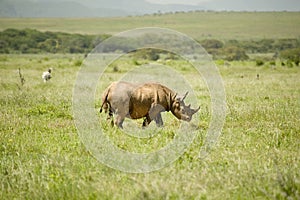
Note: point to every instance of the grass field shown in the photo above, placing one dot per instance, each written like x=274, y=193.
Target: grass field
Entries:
x=199, y=25
x=41, y=156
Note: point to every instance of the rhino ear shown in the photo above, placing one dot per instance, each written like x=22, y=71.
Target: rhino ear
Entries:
x=185, y=96
x=171, y=99
x=176, y=97
x=181, y=98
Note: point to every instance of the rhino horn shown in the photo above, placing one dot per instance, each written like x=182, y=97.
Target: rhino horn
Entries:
x=195, y=110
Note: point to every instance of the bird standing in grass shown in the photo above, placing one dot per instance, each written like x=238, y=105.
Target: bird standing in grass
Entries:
x=47, y=75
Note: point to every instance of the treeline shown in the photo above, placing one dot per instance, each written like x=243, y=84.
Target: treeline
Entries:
x=287, y=49
x=33, y=41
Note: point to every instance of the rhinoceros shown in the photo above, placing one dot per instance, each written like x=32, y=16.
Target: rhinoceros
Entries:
x=148, y=100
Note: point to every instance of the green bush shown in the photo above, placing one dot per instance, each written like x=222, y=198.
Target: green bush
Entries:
x=147, y=54
x=211, y=44
x=234, y=53
x=78, y=63
x=259, y=62
x=292, y=55
x=272, y=62
x=289, y=63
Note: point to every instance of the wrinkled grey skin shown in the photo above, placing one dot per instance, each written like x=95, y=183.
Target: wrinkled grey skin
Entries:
x=148, y=100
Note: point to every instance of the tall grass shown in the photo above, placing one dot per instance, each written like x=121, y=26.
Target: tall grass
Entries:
x=41, y=156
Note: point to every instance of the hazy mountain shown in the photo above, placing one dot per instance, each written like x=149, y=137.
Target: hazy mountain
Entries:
x=79, y=8
x=108, y=8
x=48, y=8
x=252, y=5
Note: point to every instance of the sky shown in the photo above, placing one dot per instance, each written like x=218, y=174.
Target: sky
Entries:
x=249, y=5
x=186, y=2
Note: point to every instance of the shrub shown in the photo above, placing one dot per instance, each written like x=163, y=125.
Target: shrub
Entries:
x=147, y=54
x=259, y=62
x=234, y=53
x=272, y=63
x=135, y=62
x=115, y=68
x=78, y=63
x=211, y=44
x=153, y=56
x=291, y=55
x=289, y=63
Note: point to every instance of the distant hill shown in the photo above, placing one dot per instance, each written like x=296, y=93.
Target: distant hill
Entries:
x=253, y=5
x=48, y=8
x=88, y=8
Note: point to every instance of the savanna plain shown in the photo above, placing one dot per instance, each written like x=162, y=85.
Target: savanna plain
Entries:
x=256, y=155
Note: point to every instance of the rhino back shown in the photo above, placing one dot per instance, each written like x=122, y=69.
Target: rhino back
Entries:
x=146, y=95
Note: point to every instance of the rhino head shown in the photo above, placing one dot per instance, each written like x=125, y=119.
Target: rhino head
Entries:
x=180, y=110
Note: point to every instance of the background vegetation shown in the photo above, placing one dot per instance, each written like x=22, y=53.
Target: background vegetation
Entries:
x=33, y=41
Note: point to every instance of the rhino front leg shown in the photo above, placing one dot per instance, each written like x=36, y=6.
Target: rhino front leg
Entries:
x=154, y=114
x=158, y=120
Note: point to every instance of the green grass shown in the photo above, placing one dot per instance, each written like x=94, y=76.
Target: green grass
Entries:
x=199, y=25
x=41, y=156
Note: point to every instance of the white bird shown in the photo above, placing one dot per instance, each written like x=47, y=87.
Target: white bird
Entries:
x=47, y=75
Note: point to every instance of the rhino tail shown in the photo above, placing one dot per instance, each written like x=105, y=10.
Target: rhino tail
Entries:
x=105, y=103
x=101, y=108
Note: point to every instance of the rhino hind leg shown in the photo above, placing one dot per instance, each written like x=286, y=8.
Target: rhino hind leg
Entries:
x=110, y=114
x=119, y=120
